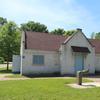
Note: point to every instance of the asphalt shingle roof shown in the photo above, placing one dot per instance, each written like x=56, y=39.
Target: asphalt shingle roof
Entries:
x=50, y=42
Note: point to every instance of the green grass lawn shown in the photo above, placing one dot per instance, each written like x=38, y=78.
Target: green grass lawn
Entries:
x=45, y=89
x=15, y=76
x=12, y=75
x=5, y=71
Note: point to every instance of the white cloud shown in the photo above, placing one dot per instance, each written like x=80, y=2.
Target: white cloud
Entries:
x=71, y=14
x=53, y=13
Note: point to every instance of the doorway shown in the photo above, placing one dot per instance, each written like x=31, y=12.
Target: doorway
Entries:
x=79, y=62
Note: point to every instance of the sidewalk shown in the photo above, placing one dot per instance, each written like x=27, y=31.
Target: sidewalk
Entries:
x=4, y=78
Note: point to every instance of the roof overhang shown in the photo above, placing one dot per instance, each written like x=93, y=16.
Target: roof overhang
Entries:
x=80, y=49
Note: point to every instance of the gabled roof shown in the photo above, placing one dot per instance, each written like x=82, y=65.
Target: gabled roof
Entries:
x=96, y=44
x=43, y=41
x=78, y=30
x=50, y=42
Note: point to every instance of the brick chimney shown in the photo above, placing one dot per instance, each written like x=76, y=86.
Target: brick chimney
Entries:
x=79, y=29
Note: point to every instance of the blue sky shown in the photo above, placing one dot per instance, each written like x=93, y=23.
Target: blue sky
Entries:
x=67, y=14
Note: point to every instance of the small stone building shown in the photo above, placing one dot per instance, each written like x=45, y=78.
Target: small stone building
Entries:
x=43, y=53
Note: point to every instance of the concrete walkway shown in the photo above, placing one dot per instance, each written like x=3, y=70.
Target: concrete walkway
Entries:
x=85, y=85
x=3, y=77
x=95, y=78
x=6, y=77
x=95, y=83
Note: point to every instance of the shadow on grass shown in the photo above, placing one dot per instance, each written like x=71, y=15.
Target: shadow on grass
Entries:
x=46, y=75
x=5, y=71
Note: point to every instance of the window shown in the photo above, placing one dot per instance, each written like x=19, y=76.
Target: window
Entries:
x=38, y=59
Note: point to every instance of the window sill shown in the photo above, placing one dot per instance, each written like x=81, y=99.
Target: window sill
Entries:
x=38, y=65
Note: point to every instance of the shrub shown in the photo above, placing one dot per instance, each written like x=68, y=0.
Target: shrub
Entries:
x=1, y=60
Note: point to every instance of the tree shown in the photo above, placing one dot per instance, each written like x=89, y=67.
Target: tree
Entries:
x=2, y=21
x=9, y=41
x=34, y=26
x=58, y=31
x=69, y=32
x=95, y=35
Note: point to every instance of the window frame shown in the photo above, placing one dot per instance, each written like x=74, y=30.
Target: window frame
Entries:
x=38, y=60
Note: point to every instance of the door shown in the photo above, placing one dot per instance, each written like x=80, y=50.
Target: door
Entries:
x=79, y=62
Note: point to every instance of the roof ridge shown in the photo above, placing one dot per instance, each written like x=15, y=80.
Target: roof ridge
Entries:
x=48, y=33
x=51, y=42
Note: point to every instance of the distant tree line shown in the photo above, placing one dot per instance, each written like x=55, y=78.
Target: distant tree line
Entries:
x=10, y=36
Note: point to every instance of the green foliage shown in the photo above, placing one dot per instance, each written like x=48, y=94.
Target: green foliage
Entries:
x=9, y=40
x=2, y=21
x=58, y=31
x=97, y=35
x=34, y=26
x=1, y=60
x=4, y=71
x=69, y=32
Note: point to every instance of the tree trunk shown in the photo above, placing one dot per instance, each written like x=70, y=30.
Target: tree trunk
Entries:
x=7, y=63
